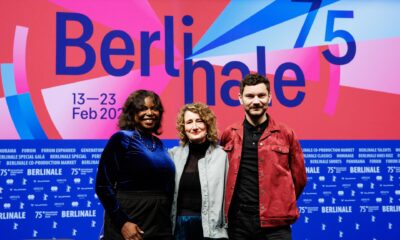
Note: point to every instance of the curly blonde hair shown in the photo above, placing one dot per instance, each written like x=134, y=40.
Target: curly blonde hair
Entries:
x=206, y=114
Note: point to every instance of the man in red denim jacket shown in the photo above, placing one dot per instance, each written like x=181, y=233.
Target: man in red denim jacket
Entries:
x=266, y=169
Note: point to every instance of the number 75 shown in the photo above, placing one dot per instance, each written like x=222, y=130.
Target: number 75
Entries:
x=330, y=33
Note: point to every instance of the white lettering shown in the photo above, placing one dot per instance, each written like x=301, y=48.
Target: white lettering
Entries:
x=78, y=213
x=44, y=171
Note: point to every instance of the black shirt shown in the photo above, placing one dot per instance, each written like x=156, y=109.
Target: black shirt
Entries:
x=247, y=188
x=189, y=196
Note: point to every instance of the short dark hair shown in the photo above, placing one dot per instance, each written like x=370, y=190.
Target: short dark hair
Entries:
x=134, y=104
x=254, y=79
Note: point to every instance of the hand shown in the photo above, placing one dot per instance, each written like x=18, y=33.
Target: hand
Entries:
x=131, y=231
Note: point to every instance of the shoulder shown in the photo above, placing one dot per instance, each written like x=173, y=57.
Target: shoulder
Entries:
x=229, y=132
x=218, y=150
x=283, y=129
x=232, y=127
x=123, y=133
x=158, y=141
x=121, y=137
x=218, y=158
x=175, y=150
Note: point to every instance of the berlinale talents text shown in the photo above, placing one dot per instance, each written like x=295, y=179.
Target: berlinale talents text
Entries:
x=147, y=38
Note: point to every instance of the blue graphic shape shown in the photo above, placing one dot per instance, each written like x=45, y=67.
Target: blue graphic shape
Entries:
x=284, y=35
x=270, y=38
x=267, y=17
x=7, y=73
x=382, y=26
x=20, y=106
x=24, y=117
x=234, y=13
x=16, y=113
x=305, y=30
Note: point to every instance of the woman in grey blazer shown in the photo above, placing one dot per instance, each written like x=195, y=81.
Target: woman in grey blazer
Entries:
x=201, y=168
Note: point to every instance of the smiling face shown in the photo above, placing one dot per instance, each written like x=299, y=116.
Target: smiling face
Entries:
x=195, y=127
x=148, y=117
x=255, y=100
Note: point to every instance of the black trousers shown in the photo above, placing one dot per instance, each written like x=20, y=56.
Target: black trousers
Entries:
x=244, y=224
x=148, y=209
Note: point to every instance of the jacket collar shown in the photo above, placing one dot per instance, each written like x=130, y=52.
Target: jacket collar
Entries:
x=185, y=149
x=272, y=127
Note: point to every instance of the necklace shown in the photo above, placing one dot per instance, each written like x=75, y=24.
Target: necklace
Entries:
x=151, y=147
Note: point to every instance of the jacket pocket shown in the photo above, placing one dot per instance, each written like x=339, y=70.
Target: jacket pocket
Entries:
x=280, y=149
x=280, y=155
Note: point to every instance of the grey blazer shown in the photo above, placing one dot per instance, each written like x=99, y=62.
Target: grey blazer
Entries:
x=213, y=169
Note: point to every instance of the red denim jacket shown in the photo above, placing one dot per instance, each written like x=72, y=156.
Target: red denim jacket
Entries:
x=281, y=171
